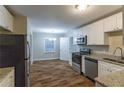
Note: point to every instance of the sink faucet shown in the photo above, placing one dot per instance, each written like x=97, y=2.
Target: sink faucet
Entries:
x=120, y=50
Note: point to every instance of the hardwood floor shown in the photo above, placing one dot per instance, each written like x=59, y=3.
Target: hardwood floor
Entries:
x=56, y=73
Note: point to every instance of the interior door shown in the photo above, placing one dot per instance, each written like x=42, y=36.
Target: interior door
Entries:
x=64, y=49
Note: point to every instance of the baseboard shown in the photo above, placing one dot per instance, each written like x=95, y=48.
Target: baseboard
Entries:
x=45, y=59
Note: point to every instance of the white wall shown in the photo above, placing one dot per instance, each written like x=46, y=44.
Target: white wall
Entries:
x=38, y=46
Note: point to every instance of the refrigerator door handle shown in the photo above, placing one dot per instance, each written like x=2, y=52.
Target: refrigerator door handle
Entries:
x=28, y=46
x=28, y=65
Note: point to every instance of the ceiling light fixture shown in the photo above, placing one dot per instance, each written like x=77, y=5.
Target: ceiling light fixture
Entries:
x=81, y=7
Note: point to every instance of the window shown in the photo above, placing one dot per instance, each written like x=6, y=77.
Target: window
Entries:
x=49, y=44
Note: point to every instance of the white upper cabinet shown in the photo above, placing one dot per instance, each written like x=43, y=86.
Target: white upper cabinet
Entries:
x=80, y=32
x=113, y=23
x=95, y=33
x=89, y=34
x=119, y=18
x=6, y=19
x=2, y=18
x=110, y=23
x=84, y=29
x=75, y=34
x=99, y=38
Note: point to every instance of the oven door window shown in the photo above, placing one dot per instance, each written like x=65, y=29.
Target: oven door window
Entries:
x=76, y=59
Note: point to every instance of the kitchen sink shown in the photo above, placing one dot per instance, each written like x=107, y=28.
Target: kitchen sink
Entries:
x=114, y=60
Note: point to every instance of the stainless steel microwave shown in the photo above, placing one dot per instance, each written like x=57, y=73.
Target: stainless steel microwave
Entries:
x=82, y=40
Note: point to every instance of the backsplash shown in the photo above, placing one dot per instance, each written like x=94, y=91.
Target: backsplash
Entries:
x=96, y=48
x=115, y=40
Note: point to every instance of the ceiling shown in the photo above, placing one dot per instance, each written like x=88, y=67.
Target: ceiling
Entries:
x=60, y=17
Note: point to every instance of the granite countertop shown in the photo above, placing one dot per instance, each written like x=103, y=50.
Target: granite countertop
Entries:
x=100, y=56
x=4, y=72
x=115, y=79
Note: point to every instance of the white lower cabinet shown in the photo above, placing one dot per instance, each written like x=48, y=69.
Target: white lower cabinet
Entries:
x=83, y=64
x=105, y=68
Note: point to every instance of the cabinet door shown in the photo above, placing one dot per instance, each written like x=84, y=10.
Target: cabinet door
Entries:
x=98, y=33
x=2, y=17
x=80, y=32
x=102, y=68
x=6, y=19
x=114, y=68
x=89, y=34
x=92, y=34
x=84, y=30
x=107, y=24
x=74, y=37
x=105, y=68
x=5, y=12
x=119, y=21
x=10, y=20
x=110, y=23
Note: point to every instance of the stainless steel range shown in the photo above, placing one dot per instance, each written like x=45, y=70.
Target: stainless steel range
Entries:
x=77, y=58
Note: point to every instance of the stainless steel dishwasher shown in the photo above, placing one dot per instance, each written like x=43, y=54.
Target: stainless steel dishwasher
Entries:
x=91, y=68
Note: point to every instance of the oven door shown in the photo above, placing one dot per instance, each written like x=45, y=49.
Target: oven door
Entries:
x=76, y=59
x=76, y=62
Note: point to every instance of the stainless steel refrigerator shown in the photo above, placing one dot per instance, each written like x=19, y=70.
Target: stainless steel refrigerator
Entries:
x=15, y=52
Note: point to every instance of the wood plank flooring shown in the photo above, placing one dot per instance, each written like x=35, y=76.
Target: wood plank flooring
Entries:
x=56, y=73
